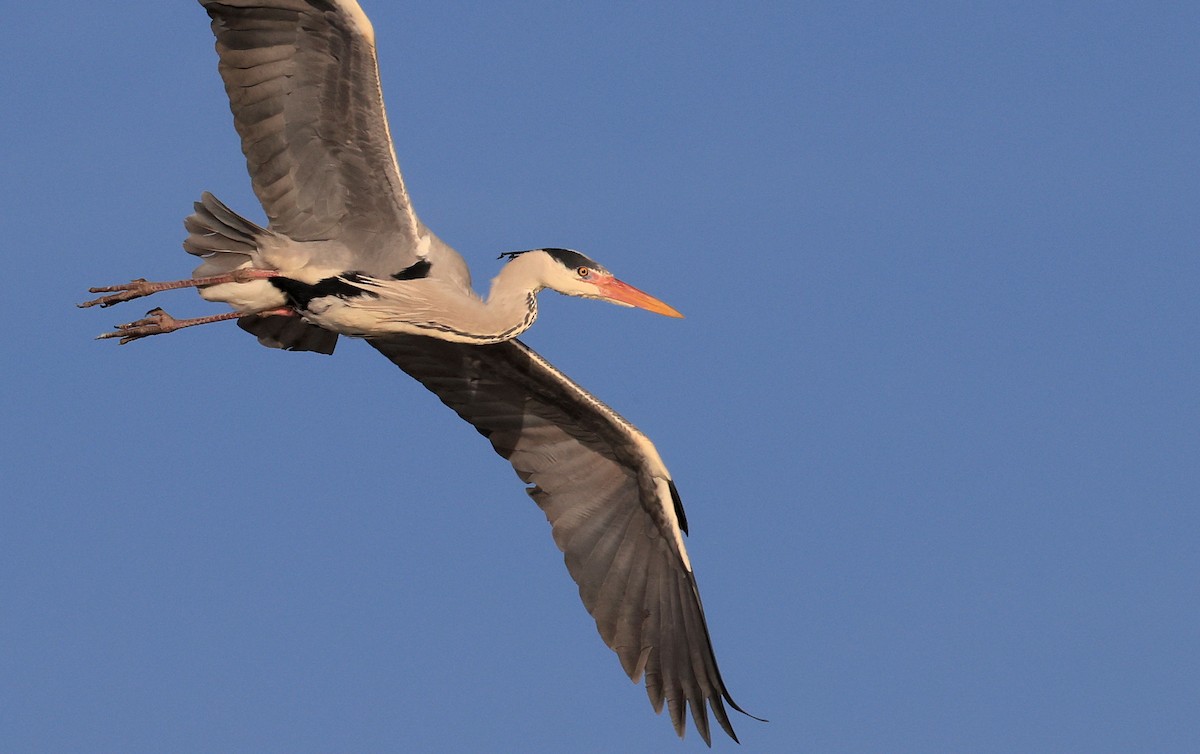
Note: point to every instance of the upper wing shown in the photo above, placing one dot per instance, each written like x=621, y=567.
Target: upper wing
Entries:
x=613, y=509
x=303, y=84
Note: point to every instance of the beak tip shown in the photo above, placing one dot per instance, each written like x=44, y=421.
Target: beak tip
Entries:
x=622, y=293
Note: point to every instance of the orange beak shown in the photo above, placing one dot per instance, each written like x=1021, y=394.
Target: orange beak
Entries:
x=623, y=293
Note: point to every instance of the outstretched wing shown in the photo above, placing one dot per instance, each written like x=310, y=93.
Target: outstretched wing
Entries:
x=612, y=506
x=303, y=84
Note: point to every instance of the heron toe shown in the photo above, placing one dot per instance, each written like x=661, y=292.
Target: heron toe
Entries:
x=124, y=292
x=156, y=322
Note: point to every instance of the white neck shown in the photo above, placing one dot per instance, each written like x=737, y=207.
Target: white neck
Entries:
x=510, y=308
x=511, y=305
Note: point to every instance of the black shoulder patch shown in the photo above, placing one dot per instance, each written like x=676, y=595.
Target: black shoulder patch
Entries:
x=415, y=271
x=301, y=294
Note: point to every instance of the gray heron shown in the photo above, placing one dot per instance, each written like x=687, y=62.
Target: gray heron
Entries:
x=344, y=253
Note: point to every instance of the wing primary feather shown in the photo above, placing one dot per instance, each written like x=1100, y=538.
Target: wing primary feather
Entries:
x=665, y=641
x=608, y=596
x=599, y=561
x=700, y=689
x=651, y=630
x=628, y=640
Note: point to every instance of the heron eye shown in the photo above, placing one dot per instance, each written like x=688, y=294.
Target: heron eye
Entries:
x=583, y=272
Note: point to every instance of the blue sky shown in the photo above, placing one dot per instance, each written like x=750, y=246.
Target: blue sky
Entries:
x=932, y=411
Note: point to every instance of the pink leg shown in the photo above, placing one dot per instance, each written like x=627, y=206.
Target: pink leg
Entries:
x=158, y=322
x=142, y=287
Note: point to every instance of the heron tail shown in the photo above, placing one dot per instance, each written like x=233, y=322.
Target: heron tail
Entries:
x=223, y=237
x=226, y=241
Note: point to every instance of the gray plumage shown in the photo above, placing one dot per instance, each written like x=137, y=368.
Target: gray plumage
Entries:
x=344, y=253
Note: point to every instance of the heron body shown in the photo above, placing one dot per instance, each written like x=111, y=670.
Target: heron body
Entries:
x=344, y=253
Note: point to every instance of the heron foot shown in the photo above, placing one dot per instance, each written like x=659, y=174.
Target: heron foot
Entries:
x=134, y=289
x=156, y=322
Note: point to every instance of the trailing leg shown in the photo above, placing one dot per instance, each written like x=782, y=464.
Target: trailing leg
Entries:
x=158, y=322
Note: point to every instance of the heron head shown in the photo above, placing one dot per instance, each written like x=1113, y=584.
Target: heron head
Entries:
x=574, y=274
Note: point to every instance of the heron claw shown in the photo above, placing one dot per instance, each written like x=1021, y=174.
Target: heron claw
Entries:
x=156, y=322
x=125, y=292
